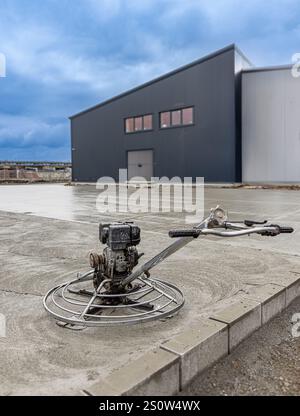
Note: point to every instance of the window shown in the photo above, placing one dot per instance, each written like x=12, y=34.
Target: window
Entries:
x=187, y=115
x=165, y=120
x=129, y=125
x=148, y=122
x=174, y=118
x=139, y=123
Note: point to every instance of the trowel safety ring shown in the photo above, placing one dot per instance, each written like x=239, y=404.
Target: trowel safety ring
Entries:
x=74, y=304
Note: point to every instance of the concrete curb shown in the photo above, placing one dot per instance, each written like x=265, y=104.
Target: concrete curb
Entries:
x=172, y=366
x=292, y=286
x=156, y=372
x=272, y=298
x=242, y=318
x=198, y=348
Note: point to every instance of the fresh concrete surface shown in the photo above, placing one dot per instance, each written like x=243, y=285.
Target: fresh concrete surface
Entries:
x=46, y=232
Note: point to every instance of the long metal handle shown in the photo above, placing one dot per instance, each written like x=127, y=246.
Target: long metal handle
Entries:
x=206, y=227
x=257, y=230
x=177, y=245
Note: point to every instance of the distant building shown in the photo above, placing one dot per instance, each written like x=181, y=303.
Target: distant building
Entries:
x=35, y=171
x=217, y=117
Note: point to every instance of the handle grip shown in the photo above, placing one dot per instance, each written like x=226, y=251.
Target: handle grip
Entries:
x=278, y=230
x=183, y=233
x=286, y=229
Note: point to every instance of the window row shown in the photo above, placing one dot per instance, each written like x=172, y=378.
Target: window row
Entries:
x=182, y=117
x=174, y=118
x=139, y=123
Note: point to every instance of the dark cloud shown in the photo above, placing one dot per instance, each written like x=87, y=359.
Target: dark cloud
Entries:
x=64, y=56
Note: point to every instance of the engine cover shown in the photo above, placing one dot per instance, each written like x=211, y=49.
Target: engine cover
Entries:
x=119, y=256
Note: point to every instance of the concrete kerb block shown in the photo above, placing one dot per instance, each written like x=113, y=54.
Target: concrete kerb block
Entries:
x=198, y=348
x=154, y=373
x=292, y=286
x=292, y=292
x=242, y=317
x=272, y=298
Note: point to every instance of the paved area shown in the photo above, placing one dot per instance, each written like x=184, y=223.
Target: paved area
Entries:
x=46, y=233
x=267, y=363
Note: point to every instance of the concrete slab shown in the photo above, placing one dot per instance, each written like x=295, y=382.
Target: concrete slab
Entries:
x=242, y=317
x=154, y=373
x=272, y=298
x=45, y=237
x=198, y=348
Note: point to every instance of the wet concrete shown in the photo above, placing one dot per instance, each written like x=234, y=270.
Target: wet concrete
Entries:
x=46, y=233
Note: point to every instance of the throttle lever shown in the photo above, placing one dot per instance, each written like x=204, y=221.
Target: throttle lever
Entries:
x=249, y=223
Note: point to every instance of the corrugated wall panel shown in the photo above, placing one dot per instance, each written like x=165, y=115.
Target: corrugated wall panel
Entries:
x=270, y=126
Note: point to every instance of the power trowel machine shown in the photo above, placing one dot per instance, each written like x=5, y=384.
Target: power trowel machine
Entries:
x=118, y=291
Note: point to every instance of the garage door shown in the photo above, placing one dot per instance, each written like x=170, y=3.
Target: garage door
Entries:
x=140, y=163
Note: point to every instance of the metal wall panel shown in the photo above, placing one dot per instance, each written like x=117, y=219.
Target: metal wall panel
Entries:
x=270, y=126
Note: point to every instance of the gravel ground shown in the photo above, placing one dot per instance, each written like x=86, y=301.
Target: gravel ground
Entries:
x=267, y=363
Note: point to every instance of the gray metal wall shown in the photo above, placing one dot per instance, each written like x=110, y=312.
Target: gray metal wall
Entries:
x=208, y=148
x=271, y=126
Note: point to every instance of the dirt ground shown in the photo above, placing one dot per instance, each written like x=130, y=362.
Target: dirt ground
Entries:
x=267, y=363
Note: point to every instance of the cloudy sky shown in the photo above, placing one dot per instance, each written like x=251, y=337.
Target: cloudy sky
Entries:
x=63, y=56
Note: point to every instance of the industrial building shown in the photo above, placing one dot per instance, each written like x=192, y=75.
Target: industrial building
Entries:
x=218, y=117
